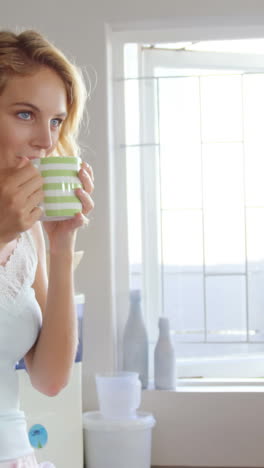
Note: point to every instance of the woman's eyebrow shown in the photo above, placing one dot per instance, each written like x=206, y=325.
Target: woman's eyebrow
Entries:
x=28, y=104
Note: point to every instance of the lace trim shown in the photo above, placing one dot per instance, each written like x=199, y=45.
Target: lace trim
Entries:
x=4, y=265
x=20, y=268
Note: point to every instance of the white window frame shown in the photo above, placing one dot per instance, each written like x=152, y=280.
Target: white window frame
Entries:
x=121, y=267
x=234, y=366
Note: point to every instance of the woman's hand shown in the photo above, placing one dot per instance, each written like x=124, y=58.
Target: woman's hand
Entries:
x=20, y=193
x=62, y=233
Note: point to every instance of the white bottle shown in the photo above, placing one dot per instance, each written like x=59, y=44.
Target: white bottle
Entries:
x=164, y=358
x=135, y=340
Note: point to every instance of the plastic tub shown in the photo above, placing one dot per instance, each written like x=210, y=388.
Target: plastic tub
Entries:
x=117, y=443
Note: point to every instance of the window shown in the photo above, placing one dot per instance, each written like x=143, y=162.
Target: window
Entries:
x=193, y=153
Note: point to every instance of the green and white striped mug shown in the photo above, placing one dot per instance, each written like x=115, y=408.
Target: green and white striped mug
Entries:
x=60, y=181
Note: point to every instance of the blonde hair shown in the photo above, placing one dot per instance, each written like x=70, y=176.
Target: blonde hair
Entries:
x=23, y=54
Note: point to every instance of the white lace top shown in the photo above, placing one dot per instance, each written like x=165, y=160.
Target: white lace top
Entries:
x=20, y=322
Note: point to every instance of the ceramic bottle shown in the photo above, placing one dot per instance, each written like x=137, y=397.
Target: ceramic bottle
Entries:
x=164, y=358
x=135, y=340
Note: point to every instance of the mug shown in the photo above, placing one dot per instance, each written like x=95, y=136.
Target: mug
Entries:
x=60, y=174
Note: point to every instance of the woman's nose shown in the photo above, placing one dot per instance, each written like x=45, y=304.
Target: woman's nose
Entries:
x=42, y=137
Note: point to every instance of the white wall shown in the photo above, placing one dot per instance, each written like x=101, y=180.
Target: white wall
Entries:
x=192, y=428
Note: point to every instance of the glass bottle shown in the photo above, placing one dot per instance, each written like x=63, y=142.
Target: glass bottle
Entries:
x=135, y=340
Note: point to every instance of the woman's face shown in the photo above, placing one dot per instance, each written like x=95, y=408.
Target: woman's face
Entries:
x=32, y=109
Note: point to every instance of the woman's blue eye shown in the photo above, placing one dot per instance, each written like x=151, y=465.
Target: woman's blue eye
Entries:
x=28, y=115
x=56, y=122
x=25, y=115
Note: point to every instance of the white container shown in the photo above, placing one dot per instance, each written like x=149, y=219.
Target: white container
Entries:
x=164, y=358
x=119, y=394
x=117, y=444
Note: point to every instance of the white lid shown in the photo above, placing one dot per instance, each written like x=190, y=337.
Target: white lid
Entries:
x=79, y=299
x=93, y=420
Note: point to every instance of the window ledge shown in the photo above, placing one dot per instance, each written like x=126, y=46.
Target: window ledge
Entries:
x=214, y=385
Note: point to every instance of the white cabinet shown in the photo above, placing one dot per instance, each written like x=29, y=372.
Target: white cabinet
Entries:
x=59, y=419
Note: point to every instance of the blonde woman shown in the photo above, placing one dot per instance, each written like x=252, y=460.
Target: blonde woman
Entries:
x=42, y=99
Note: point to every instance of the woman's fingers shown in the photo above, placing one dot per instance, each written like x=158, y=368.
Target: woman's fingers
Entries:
x=33, y=185
x=35, y=215
x=86, y=176
x=25, y=173
x=86, y=200
x=35, y=199
x=89, y=169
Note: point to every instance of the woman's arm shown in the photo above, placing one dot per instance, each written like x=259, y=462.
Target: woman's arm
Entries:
x=50, y=361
